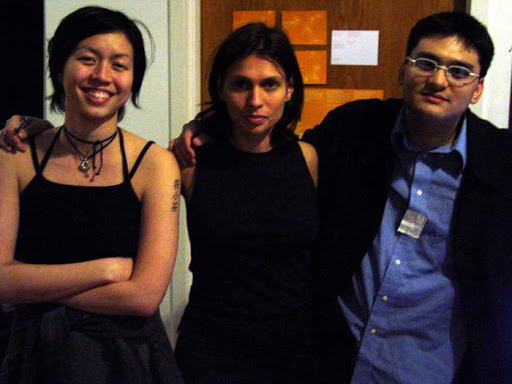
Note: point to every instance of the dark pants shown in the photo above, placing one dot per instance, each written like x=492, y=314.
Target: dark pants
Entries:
x=245, y=356
x=5, y=326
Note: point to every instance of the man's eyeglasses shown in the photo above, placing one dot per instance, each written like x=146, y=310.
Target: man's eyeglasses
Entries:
x=456, y=74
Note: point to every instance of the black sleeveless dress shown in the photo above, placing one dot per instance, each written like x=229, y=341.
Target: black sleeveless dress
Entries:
x=252, y=219
x=57, y=344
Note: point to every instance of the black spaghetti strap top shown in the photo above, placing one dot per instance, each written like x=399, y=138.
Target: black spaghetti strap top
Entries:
x=66, y=223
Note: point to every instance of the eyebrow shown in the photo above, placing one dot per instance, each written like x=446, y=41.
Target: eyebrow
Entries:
x=460, y=63
x=98, y=53
x=242, y=77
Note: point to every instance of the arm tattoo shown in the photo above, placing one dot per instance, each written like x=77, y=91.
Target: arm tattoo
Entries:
x=176, y=195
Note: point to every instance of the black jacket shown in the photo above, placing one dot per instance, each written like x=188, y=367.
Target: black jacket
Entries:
x=355, y=165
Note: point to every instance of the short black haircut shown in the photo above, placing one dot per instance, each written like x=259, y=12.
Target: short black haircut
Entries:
x=81, y=24
x=473, y=33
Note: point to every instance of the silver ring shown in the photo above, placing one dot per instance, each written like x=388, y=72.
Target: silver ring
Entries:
x=20, y=125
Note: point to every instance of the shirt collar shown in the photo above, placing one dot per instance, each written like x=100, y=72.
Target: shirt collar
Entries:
x=401, y=143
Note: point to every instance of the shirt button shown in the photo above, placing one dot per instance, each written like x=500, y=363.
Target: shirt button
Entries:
x=384, y=298
x=373, y=331
x=419, y=192
x=397, y=262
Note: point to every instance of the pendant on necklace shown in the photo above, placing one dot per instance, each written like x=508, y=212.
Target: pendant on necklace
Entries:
x=84, y=166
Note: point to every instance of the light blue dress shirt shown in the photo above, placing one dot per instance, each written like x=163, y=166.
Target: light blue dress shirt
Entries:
x=403, y=305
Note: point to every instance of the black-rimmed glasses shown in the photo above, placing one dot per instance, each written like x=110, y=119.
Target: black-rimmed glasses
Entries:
x=457, y=75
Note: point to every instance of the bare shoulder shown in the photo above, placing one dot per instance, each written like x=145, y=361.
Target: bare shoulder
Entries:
x=156, y=157
x=311, y=157
x=21, y=163
x=9, y=160
x=307, y=149
x=158, y=169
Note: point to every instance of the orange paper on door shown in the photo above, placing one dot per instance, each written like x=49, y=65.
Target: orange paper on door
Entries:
x=319, y=101
x=241, y=18
x=305, y=27
x=313, y=66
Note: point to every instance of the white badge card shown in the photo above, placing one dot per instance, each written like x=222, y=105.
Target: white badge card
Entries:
x=412, y=224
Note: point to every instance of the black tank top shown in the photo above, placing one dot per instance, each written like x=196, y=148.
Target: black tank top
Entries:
x=252, y=219
x=66, y=223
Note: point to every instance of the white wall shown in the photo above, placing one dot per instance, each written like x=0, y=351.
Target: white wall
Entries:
x=495, y=102
x=152, y=120
x=185, y=77
x=169, y=97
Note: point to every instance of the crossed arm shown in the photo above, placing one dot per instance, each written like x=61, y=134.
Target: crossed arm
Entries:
x=111, y=285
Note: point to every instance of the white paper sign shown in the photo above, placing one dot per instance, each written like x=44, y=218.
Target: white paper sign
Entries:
x=355, y=48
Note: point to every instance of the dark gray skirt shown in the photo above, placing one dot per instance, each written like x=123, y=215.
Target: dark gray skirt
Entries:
x=58, y=344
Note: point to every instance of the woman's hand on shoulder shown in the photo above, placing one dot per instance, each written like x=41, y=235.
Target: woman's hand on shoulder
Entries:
x=311, y=157
x=17, y=129
x=183, y=147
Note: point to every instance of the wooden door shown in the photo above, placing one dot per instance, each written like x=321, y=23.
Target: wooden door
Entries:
x=393, y=18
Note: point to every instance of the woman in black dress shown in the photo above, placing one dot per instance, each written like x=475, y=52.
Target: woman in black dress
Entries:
x=252, y=219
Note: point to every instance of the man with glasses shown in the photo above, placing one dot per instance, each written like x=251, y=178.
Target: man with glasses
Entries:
x=459, y=75
x=414, y=262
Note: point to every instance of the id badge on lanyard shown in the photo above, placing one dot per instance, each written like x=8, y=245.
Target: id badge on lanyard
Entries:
x=412, y=224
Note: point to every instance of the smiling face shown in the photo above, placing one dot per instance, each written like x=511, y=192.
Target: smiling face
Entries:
x=255, y=91
x=98, y=77
x=432, y=97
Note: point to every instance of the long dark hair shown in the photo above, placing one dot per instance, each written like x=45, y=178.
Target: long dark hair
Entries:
x=269, y=43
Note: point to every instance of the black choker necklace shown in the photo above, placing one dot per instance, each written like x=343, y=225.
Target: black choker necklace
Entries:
x=97, y=147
